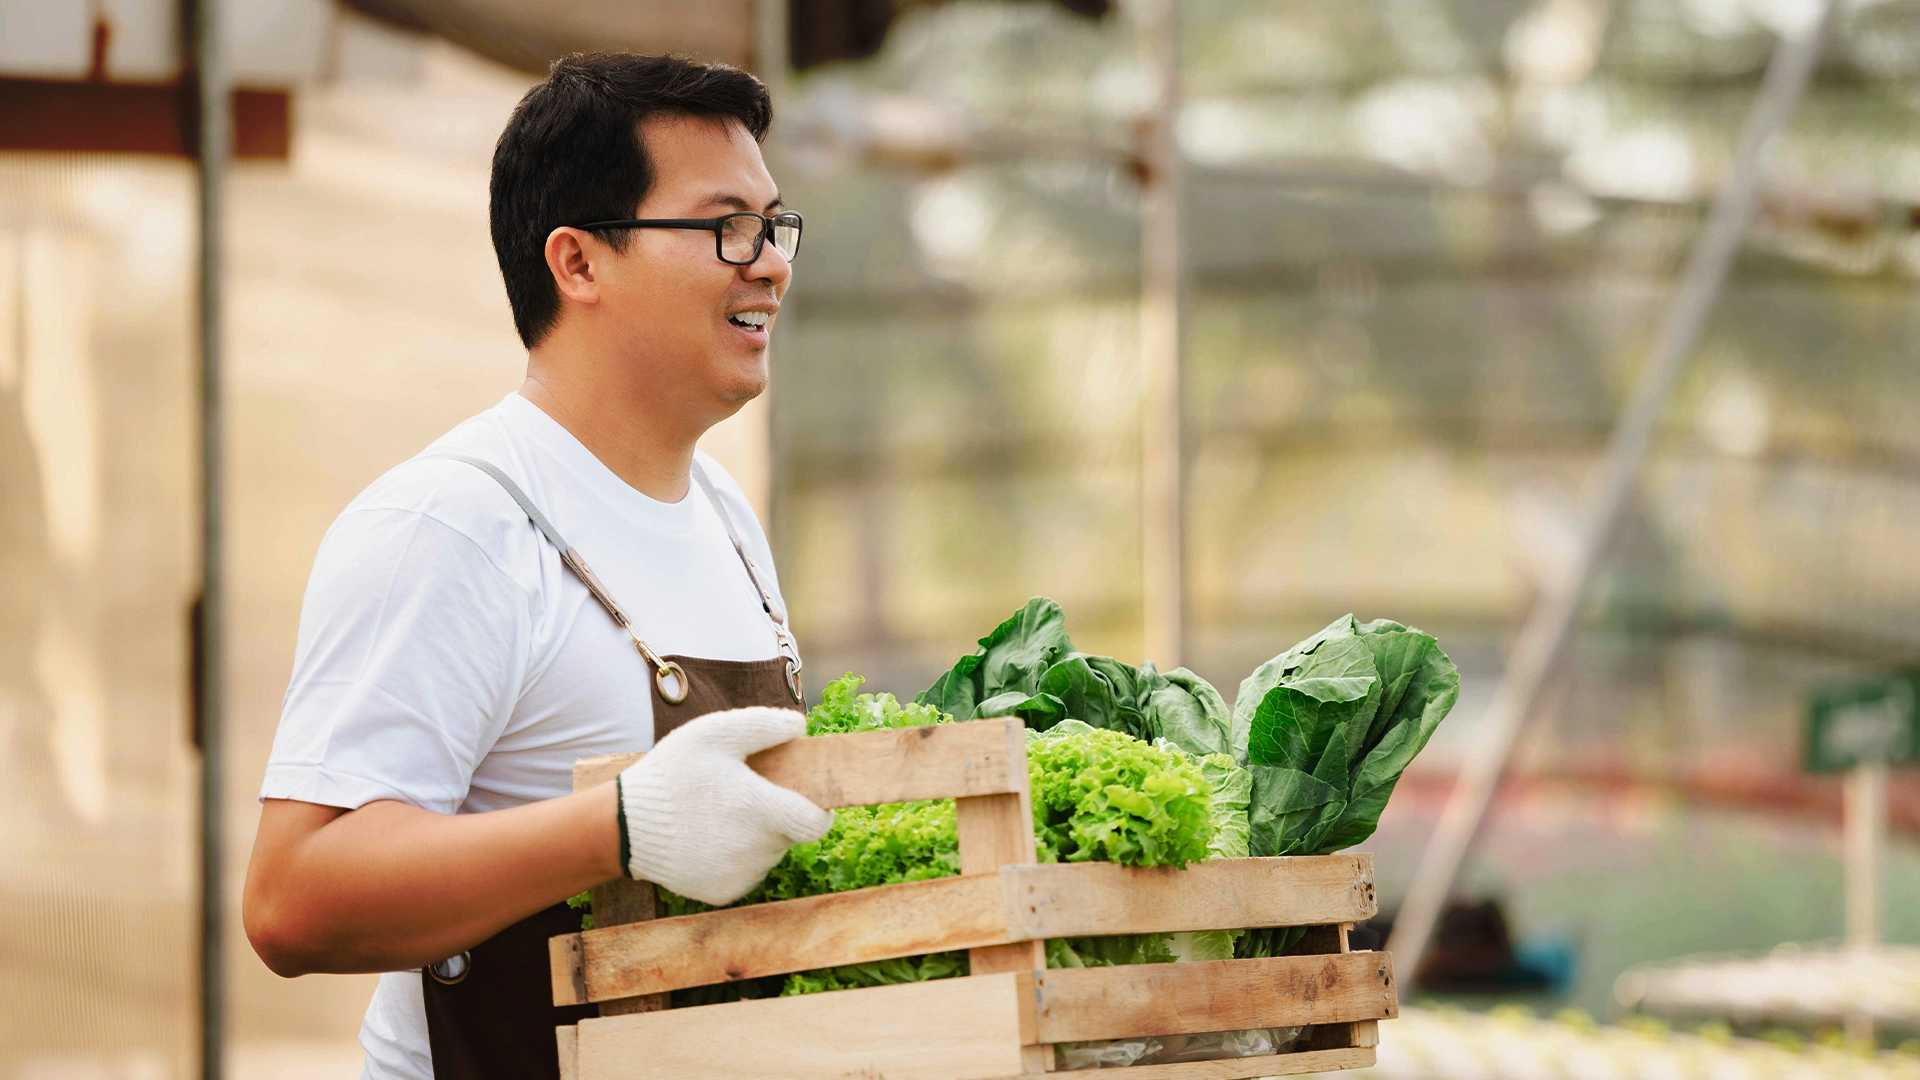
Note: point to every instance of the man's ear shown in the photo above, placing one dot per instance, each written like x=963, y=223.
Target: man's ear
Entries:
x=570, y=254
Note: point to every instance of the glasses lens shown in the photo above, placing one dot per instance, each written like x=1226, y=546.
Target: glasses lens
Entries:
x=786, y=234
x=740, y=237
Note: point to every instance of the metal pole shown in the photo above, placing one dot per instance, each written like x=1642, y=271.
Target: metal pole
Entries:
x=1162, y=273
x=772, y=62
x=209, y=73
x=1549, y=624
x=1864, y=829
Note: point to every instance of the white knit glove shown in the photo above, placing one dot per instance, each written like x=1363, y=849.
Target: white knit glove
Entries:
x=695, y=819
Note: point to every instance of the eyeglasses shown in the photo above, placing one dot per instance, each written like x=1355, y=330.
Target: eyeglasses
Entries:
x=737, y=238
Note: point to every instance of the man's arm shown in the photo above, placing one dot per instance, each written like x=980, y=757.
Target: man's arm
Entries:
x=391, y=886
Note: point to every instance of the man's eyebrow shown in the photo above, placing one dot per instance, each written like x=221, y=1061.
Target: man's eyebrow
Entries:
x=739, y=203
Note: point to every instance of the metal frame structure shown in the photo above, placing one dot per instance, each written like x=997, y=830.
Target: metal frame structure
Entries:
x=209, y=74
x=1163, y=456
x=1550, y=624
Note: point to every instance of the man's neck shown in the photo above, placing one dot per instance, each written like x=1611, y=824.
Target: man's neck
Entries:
x=653, y=457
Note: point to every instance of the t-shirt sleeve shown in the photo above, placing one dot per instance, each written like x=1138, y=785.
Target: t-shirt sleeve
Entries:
x=412, y=648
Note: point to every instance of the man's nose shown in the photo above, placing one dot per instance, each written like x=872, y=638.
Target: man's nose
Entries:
x=772, y=266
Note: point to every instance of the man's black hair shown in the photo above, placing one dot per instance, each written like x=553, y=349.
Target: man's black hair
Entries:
x=572, y=153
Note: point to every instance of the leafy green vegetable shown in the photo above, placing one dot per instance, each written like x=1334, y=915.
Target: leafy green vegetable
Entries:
x=842, y=710
x=1010, y=659
x=906, y=969
x=868, y=846
x=1205, y=945
x=1112, y=951
x=1097, y=795
x=1232, y=788
x=1327, y=727
x=1132, y=766
x=583, y=903
x=1029, y=668
x=1108, y=797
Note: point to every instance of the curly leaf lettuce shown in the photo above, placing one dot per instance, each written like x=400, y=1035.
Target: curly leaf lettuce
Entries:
x=844, y=709
x=1108, y=797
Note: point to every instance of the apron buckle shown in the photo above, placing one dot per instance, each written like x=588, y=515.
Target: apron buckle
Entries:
x=674, y=692
x=452, y=970
x=793, y=682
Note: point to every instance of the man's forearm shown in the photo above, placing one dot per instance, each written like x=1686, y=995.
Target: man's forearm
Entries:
x=391, y=886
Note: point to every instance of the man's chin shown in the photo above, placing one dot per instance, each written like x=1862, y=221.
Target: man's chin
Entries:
x=747, y=381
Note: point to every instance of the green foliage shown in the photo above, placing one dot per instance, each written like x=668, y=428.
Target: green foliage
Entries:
x=1327, y=727
x=1268, y=941
x=1097, y=795
x=907, y=969
x=1205, y=944
x=842, y=710
x=1232, y=789
x=1027, y=667
x=868, y=846
x=583, y=903
x=1130, y=766
x=1102, y=796
x=1011, y=658
x=1111, y=951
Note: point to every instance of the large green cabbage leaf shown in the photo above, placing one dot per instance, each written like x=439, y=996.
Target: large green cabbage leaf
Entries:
x=1327, y=727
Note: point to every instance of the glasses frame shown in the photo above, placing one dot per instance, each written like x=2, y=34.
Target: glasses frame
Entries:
x=716, y=225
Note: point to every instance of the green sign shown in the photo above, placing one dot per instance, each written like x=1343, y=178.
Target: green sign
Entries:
x=1871, y=721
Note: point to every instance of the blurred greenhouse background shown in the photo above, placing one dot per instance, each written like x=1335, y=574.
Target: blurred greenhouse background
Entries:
x=1428, y=245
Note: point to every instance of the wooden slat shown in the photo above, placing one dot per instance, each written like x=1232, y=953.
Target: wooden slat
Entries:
x=1081, y=899
x=615, y=903
x=951, y=1029
x=996, y=833
x=1330, y=939
x=772, y=939
x=623, y=902
x=867, y=768
x=1075, y=1004
x=568, y=1038
x=1311, y=1061
x=1074, y=899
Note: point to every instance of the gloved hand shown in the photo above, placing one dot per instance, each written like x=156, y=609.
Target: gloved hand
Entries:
x=695, y=819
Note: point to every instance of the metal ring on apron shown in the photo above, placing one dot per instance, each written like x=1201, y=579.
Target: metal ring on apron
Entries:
x=793, y=682
x=679, y=692
x=451, y=970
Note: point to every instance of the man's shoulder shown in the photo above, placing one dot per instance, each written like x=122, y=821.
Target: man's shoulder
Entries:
x=435, y=484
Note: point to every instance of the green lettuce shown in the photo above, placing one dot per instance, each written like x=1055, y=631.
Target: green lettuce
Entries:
x=1098, y=795
x=843, y=709
x=1232, y=788
x=1104, y=796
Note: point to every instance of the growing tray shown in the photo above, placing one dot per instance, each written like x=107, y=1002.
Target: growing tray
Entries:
x=999, y=1022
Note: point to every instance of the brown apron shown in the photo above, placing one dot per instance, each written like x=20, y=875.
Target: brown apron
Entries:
x=490, y=1011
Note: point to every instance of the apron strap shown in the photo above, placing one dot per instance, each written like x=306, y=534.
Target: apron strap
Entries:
x=769, y=602
x=667, y=675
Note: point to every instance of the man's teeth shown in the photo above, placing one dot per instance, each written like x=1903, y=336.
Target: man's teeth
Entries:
x=754, y=320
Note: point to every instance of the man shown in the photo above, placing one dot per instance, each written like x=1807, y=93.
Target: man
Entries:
x=559, y=577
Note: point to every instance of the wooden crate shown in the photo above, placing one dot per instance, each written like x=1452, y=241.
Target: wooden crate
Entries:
x=999, y=1022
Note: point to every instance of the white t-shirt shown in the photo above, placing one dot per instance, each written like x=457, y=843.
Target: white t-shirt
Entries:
x=448, y=659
